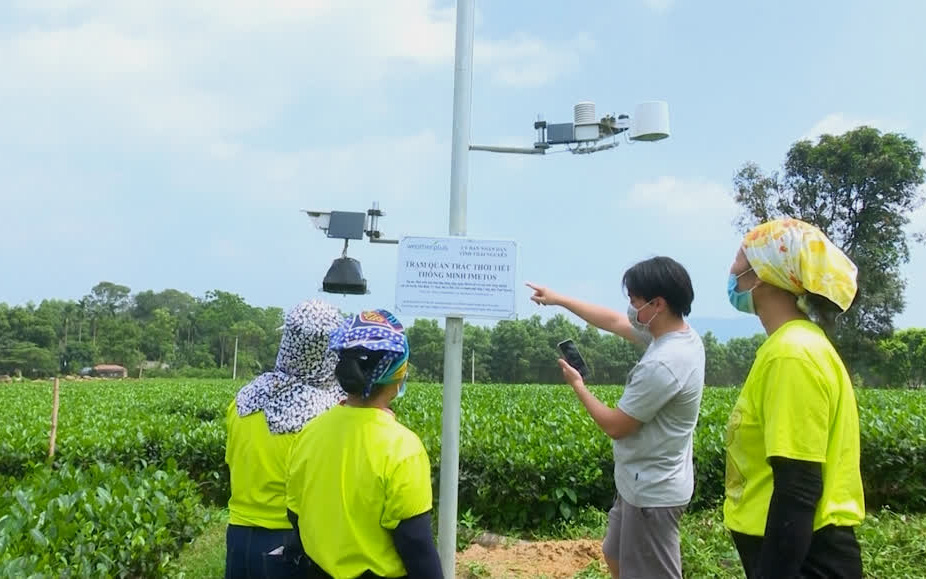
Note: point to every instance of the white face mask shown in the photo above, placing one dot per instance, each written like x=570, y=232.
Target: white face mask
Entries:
x=632, y=315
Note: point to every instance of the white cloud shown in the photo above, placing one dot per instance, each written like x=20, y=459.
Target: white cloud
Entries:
x=680, y=196
x=405, y=174
x=691, y=209
x=201, y=71
x=660, y=6
x=524, y=61
x=839, y=123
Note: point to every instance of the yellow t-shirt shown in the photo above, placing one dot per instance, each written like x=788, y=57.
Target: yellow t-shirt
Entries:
x=797, y=403
x=355, y=473
x=257, y=461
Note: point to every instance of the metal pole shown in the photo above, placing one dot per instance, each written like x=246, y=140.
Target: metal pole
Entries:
x=235, y=365
x=513, y=150
x=453, y=335
x=54, y=421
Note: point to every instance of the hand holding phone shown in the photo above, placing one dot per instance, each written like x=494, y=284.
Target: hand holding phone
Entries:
x=573, y=358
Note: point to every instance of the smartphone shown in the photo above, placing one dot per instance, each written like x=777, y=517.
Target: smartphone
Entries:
x=574, y=358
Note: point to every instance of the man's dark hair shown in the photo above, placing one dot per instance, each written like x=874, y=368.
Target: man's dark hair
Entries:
x=661, y=277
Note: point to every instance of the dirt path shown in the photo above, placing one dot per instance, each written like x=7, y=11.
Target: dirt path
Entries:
x=549, y=559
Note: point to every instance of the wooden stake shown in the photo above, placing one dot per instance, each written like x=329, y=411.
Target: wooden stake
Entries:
x=54, y=422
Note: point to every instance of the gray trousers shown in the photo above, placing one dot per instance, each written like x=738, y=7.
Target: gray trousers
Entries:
x=644, y=541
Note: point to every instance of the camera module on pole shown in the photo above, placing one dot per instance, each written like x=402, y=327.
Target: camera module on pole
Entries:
x=345, y=276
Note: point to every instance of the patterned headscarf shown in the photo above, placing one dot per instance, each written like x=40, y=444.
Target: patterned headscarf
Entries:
x=376, y=331
x=302, y=385
x=797, y=257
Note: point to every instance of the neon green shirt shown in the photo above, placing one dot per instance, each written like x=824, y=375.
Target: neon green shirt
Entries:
x=257, y=461
x=355, y=473
x=797, y=403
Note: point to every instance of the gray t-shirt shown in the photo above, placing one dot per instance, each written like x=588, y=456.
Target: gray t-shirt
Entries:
x=653, y=466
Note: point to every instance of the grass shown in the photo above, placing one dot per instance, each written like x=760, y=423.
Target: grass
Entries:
x=205, y=557
x=892, y=546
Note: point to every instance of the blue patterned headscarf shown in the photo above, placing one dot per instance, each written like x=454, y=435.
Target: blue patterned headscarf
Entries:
x=302, y=384
x=376, y=331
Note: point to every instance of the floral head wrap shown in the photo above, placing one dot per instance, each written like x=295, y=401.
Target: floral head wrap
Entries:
x=376, y=331
x=302, y=384
x=797, y=257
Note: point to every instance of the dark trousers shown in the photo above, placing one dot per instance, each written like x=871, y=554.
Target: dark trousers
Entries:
x=834, y=553
x=247, y=554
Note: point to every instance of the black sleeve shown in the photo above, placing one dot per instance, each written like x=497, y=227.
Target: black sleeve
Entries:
x=789, y=527
x=413, y=541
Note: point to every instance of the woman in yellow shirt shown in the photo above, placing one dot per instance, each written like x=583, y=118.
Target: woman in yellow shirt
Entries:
x=262, y=424
x=793, y=484
x=359, y=488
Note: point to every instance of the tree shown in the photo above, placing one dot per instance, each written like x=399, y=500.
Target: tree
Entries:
x=158, y=343
x=716, y=364
x=195, y=356
x=741, y=353
x=860, y=189
x=903, y=359
x=119, y=342
x=510, y=344
x=27, y=358
x=895, y=363
x=426, y=350
x=106, y=299
x=477, y=353
x=54, y=314
x=220, y=311
x=4, y=321
x=78, y=355
x=110, y=298
x=250, y=337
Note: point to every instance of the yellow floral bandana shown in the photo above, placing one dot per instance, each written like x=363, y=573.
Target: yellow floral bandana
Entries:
x=797, y=257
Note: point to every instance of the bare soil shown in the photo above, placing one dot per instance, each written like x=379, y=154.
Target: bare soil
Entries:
x=549, y=559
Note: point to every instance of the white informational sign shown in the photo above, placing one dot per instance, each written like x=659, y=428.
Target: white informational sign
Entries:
x=456, y=277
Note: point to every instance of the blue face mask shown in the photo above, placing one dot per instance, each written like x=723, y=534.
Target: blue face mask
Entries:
x=401, y=391
x=742, y=301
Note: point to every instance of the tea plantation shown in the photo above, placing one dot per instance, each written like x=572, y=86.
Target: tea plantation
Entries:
x=137, y=462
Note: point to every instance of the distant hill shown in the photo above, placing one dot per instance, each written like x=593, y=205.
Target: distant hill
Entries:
x=726, y=328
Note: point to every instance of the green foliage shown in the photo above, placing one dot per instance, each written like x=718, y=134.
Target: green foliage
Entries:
x=205, y=556
x=530, y=456
x=531, y=462
x=426, y=346
x=111, y=326
x=195, y=339
x=97, y=521
x=860, y=188
x=892, y=546
x=27, y=358
x=903, y=359
x=130, y=423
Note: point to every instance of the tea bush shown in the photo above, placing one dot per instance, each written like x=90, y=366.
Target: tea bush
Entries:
x=529, y=454
x=101, y=521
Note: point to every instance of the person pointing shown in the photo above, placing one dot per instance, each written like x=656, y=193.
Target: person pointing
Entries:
x=654, y=421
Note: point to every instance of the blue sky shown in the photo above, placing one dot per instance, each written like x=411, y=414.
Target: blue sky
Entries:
x=172, y=143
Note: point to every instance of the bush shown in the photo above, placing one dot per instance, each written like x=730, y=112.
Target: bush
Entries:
x=530, y=455
x=100, y=521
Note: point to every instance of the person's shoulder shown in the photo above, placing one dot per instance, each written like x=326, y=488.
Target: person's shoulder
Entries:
x=800, y=339
x=673, y=347
x=404, y=433
x=330, y=418
x=402, y=440
x=685, y=337
x=802, y=350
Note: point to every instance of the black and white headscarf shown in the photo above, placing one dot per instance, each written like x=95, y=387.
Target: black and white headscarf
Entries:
x=302, y=385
